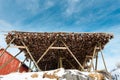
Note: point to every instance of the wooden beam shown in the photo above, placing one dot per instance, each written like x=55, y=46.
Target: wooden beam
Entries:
x=7, y=47
x=31, y=56
x=60, y=59
x=17, y=46
x=58, y=48
x=96, y=64
x=94, y=52
x=73, y=56
x=45, y=52
x=103, y=59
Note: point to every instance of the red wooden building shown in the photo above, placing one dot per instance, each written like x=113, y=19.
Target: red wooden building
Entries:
x=9, y=63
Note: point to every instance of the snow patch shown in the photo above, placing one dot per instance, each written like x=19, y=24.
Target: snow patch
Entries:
x=58, y=74
x=115, y=74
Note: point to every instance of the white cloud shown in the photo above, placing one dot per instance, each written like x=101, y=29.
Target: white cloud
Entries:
x=35, y=6
x=48, y=4
x=29, y=5
x=4, y=23
x=71, y=7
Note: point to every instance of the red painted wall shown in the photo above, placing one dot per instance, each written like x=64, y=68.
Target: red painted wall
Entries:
x=12, y=66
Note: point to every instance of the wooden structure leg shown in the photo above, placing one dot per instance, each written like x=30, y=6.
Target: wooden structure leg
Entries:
x=104, y=61
x=103, y=58
x=73, y=56
x=60, y=62
x=7, y=47
x=96, y=62
x=92, y=62
x=45, y=52
x=31, y=56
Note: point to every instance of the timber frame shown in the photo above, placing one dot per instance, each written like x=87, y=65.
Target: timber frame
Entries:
x=49, y=51
x=61, y=59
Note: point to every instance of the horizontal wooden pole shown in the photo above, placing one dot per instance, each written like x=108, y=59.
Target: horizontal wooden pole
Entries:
x=17, y=46
x=58, y=48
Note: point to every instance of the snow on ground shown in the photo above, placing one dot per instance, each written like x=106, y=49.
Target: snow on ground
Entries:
x=46, y=75
x=115, y=74
x=58, y=74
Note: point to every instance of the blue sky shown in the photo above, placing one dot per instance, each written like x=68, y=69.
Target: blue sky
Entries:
x=64, y=15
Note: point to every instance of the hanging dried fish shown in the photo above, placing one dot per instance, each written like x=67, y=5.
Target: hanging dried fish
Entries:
x=81, y=44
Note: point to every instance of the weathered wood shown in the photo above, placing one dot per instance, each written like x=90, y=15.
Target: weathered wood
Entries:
x=31, y=56
x=81, y=44
x=60, y=59
x=17, y=46
x=45, y=52
x=103, y=59
x=96, y=64
x=73, y=56
x=57, y=47
x=94, y=53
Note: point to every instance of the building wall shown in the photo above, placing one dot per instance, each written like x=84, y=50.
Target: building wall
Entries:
x=12, y=66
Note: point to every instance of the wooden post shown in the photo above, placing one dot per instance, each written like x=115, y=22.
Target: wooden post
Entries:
x=45, y=52
x=103, y=60
x=85, y=64
x=31, y=56
x=7, y=47
x=60, y=59
x=73, y=56
x=96, y=64
x=103, y=57
x=9, y=60
x=94, y=52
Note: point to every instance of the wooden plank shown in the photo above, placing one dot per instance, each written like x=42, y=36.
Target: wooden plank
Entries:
x=73, y=56
x=45, y=52
x=96, y=64
x=103, y=59
x=60, y=59
x=17, y=46
x=94, y=52
x=31, y=56
x=58, y=48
